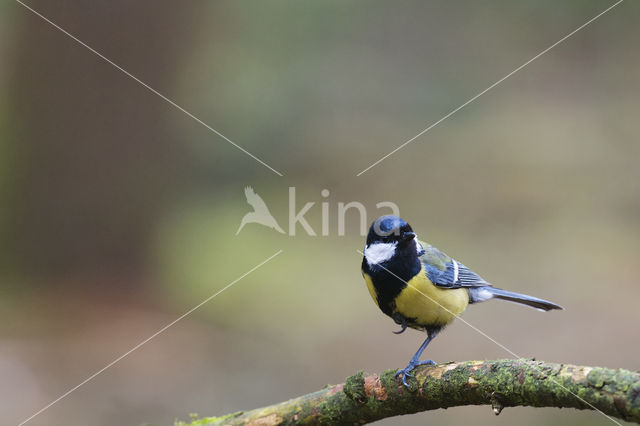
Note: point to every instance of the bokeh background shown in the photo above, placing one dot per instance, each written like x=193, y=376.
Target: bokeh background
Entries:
x=119, y=213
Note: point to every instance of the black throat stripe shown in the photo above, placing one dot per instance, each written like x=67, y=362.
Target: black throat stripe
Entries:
x=390, y=278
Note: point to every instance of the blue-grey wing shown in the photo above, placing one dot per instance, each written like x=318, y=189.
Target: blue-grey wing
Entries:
x=446, y=272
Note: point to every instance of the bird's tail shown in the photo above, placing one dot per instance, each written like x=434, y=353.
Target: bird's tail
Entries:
x=498, y=293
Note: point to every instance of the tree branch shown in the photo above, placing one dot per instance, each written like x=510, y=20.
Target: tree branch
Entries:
x=365, y=398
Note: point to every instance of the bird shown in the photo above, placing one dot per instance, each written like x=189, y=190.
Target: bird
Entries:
x=260, y=213
x=420, y=287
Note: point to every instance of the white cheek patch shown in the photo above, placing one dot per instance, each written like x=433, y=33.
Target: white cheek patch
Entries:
x=379, y=252
x=419, y=248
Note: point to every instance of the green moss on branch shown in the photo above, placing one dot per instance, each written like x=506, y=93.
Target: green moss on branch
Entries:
x=365, y=398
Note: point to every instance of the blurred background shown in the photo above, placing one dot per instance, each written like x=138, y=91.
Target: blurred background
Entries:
x=119, y=212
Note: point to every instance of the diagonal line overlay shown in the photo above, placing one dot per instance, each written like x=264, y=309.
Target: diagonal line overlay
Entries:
x=490, y=87
x=494, y=341
x=145, y=85
x=163, y=329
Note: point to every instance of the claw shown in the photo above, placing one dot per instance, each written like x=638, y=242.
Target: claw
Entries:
x=403, y=323
x=406, y=372
x=404, y=327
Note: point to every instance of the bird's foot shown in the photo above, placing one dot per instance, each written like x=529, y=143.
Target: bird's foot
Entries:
x=406, y=372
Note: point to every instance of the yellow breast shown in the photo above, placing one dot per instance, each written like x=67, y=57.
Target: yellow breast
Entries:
x=370, y=287
x=429, y=304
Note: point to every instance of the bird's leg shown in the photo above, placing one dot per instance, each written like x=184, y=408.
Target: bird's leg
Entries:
x=415, y=360
x=399, y=319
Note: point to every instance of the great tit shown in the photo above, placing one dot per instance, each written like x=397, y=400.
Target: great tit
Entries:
x=420, y=287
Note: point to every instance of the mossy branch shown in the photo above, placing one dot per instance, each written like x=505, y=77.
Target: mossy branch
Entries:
x=365, y=398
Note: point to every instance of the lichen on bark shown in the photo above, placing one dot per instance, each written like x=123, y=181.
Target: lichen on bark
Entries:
x=365, y=398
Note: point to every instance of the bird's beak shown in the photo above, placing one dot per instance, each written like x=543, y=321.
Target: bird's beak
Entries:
x=407, y=236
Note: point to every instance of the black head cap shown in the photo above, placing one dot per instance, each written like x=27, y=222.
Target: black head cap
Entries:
x=389, y=228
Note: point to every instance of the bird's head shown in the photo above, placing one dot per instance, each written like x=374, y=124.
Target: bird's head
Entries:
x=389, y=237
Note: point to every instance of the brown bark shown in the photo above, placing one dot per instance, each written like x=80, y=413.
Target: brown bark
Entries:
x=365, y=398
